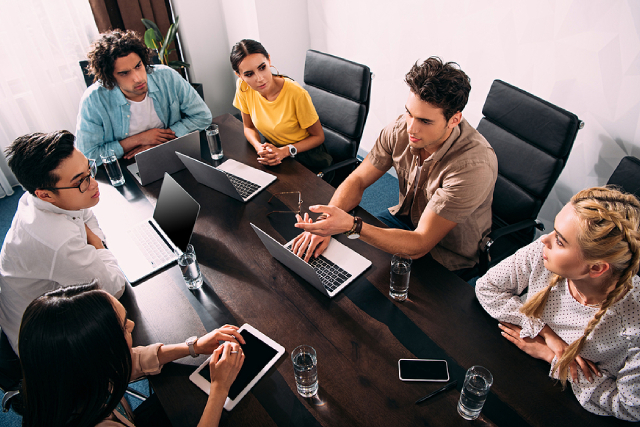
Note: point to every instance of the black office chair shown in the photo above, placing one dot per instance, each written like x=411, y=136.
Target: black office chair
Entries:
x=341, y=91
x=627, y=175
x=532, y=139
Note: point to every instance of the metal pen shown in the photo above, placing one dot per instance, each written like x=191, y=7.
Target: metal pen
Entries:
x=448, y=386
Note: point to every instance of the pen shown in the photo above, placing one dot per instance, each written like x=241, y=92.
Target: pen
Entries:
x=449, y=386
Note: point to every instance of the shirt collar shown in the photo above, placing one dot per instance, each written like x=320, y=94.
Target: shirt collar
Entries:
x=50, y=207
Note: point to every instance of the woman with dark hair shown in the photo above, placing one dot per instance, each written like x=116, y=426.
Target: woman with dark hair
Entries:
x=277, y=107
x=77, y=359
x=582, y=310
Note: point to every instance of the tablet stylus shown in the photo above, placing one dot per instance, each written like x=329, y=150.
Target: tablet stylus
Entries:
x=438, y=391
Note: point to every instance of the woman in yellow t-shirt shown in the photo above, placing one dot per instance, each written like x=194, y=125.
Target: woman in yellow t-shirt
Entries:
x=277, y=107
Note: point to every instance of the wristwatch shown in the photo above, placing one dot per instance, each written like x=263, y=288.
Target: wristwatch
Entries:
x=191, y=341
x=354, y=233
x=292, y=150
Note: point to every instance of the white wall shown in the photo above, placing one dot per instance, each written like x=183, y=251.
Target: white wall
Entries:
x=582, y=55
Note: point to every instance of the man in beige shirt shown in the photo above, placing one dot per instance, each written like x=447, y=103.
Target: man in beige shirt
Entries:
x=446, y=172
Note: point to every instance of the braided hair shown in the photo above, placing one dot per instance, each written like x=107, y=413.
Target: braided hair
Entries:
x=609, y=222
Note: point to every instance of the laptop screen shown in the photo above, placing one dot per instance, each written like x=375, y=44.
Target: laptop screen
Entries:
x=176, y=212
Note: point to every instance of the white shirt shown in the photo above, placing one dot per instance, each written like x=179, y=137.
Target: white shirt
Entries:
x=143, y=116
x=46, y=248
x=614, y=344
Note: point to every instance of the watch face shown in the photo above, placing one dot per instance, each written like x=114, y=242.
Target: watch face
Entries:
x=354, y=236
x=293, y=150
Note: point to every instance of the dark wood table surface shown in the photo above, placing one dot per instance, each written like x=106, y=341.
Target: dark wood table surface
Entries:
x=359, y=335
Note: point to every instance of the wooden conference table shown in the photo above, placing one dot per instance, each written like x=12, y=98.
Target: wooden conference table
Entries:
x=359, y=335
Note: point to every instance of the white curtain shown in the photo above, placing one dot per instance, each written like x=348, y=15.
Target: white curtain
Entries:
x=41, y=43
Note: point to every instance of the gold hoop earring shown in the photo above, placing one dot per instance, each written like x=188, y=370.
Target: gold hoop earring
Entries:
x=277, y=72
x=243, y=82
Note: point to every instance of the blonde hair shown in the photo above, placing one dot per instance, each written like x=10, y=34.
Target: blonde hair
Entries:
x=608, y=231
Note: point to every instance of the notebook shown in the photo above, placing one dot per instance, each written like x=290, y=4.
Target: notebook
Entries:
x=151, y=164
x=151, y=244
x=329, y=273
x=232, y=178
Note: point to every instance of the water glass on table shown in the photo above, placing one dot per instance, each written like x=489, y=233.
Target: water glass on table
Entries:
x=110, y=162
x=190, y=269
x=400, y=273
x=305, y=369
x=477, y=383
x=213, y=139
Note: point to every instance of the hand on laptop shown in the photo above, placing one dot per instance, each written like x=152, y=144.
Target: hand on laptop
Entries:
x=307, y=243
x=270, y=155
x=145, y=140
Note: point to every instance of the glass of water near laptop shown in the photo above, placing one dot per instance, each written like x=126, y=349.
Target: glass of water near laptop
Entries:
x=305, y=369
x=399, y=281
x=477, y=383
x=189, y=266
x=110, y=162
x=213, y=139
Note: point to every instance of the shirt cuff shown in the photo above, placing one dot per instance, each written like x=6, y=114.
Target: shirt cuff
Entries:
x=531, y=327
x=553, y=373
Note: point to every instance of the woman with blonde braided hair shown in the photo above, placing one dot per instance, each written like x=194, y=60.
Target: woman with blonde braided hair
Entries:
x=582, y=310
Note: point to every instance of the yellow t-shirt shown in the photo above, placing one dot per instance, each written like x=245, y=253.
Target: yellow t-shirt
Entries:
x=283, y=121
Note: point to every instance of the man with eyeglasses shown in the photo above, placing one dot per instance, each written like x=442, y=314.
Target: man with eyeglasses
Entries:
x=54, y=239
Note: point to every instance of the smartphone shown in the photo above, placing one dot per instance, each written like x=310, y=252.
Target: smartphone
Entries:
x=423, y=370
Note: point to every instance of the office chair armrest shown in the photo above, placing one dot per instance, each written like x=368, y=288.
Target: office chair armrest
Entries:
x=338, y=165
x=487, y=242
x=8, y=399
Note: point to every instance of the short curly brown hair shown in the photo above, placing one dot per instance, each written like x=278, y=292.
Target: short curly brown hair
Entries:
x=111, y=46
x=443, y=85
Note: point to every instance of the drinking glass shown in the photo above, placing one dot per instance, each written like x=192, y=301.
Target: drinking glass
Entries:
x=477, y=383
x=190, y=269
x=400, y=272
x=305, y=368
x=213, y=139
x=110, y=162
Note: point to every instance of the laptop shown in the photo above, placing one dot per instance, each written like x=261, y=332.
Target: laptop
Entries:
x=151, y=244
x=151, y=164
x=232, y=178
x=329, y=273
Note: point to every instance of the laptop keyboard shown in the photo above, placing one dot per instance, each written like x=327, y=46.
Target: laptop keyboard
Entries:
x=329, y=273
x=244, y=187
x=153, y=247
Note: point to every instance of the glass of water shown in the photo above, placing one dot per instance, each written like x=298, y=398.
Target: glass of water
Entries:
x=477, y=383
x=400, y=272
x=110, y=162
x=305, y=369
x=190, y=269
x=213, y=139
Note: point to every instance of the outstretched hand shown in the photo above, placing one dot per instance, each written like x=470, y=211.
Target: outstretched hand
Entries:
x=308, y=244
x=337, y=221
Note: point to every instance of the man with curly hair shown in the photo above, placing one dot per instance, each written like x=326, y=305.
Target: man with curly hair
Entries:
x=446, y=172
x=133, y=105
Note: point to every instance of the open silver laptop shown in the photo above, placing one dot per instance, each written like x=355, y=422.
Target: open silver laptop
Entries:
x=151, y=244
x=151, y=164
x=232, y=178
x=338, y=266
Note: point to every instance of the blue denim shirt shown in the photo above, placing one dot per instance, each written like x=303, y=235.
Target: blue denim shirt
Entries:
x=104, y=114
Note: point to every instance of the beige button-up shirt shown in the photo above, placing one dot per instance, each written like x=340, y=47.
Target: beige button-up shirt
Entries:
x=456, y=182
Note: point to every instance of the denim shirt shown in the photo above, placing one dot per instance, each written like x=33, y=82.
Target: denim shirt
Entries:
x=104, y=114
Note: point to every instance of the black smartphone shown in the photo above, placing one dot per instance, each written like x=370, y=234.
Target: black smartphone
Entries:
x=423, y=370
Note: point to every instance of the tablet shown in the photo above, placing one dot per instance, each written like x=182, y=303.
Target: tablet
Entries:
x=260, y=354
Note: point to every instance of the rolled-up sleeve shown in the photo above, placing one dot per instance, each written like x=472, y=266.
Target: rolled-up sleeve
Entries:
x=144, y=361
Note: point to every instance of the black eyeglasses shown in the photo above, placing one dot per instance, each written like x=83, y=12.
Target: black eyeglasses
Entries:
x=287, y=192
x=83, y=185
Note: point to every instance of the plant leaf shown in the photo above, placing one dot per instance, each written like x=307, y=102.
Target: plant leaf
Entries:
x=149, y=40
x=152, y=25
x=171, y=34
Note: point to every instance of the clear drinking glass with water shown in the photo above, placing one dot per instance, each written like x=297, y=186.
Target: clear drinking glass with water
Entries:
x=477, y=383
x=305, y=368
x=213, y=139
x=190, y=269
x=110, y=162
x=400, y=274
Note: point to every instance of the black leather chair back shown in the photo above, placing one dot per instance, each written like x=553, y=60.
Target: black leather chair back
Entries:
x=340, y=90
x=532, y=139
x=627, y=175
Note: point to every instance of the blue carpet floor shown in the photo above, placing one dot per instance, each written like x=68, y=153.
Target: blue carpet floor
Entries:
x=381, y=195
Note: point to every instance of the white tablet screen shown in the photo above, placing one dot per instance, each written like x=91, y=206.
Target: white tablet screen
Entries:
x=257, y=355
